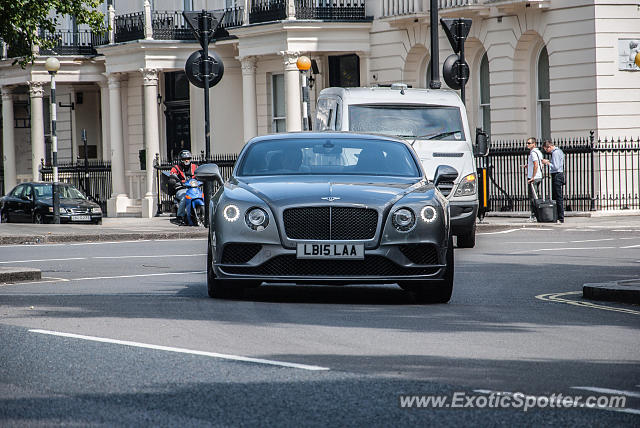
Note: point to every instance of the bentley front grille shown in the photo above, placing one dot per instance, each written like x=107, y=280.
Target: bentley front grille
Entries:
x=330, y=223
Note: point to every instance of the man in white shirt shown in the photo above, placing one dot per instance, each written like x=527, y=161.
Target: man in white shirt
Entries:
x=534, y=174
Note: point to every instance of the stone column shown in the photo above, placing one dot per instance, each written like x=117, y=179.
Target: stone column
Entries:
x=104, y=120
x=249, y=106
x=148, y=17
x=364, y=68
x=151, y=137
x=119, y=201
x=111, y=13
x=245, y=12
x=8, y=145
x=292, y=92
x=36, y=92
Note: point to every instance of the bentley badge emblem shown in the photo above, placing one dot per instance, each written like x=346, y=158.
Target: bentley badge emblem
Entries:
x=330, y=198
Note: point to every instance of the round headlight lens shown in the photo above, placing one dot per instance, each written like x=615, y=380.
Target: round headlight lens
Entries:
x=403, y=219
x=231, y=213
x=257, y=218
x=428, y=214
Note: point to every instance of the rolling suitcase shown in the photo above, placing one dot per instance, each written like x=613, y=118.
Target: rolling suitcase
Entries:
x=546, y=211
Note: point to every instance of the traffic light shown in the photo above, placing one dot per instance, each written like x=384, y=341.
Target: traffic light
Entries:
x=455, y=70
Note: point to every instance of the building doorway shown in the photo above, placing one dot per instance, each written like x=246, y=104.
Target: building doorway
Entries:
x=178, y=118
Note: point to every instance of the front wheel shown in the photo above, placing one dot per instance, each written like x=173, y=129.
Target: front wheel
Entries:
x=468, y=240
x=435, y=291
x=38, y=218
x=199, y=215
x=4, y=217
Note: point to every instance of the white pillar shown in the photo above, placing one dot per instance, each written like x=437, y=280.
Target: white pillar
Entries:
x=292, y=91
x=249, y=106
x=291, y=9
x=112, y=24
x=104, y=112
x=364, y=68
x=151, y=137
x=119, y=201
x=148, y=27
x=36, y=92
x=245, y=12
x=8, y=145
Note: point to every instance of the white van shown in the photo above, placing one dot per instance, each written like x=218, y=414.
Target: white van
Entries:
x=434, y=120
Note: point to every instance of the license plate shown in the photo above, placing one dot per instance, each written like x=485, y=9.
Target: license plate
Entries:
x=80, y=218
x=330, y=251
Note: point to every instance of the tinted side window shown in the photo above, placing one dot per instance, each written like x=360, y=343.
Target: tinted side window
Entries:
x=17, y=191
x=28, y=193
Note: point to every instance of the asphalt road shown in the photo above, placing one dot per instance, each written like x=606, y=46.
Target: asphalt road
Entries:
x=124, y=334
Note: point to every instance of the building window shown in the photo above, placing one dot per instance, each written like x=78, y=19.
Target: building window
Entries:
x=485, y=95
x=278, y=122
x=543, y=93
x=344, y=71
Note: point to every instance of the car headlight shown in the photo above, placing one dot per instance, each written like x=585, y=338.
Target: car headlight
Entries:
x=63, y=210
x=96, y=210
x=428, y=214
x=257, y=218
x=467, y=186
x=50, y=209
x=403, y=219
x=231, y=213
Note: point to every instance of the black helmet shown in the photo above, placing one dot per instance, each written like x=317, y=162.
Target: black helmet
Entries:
x=185, y=154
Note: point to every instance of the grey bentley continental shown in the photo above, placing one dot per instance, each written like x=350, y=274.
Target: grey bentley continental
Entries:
x=329, y=208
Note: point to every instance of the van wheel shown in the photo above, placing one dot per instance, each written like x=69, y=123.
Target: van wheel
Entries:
x=432, y=291
x=468, y=240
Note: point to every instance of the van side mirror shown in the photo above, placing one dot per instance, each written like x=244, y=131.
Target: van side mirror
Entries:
x=481, y=148
x=445, y=174
x=209, y=172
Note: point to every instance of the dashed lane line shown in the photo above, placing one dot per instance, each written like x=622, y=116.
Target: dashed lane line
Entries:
x=182, y=350
x=608, y=391
x=103, y=257
x=557, y=298
x=49, y=280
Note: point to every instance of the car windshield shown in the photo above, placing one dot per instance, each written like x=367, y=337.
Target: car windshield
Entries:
x=66, y=192
x=339, y=156
x=425, y=122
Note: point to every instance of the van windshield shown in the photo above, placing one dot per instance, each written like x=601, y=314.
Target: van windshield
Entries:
x=426, y=122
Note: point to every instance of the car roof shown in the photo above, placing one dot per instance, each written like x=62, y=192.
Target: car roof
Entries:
x=325, y=134
x=388, y=95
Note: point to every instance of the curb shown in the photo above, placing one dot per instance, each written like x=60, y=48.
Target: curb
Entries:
x=627, y=291
x=17, y=274
x=45, y=239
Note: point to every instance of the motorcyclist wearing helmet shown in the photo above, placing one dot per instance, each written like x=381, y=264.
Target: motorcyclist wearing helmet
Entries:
x=180, y=173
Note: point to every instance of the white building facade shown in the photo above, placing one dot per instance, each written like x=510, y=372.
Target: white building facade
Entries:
x=545, y=68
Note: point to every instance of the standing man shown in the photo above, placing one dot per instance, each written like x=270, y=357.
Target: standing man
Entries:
x=534, y=174
x=556, y=168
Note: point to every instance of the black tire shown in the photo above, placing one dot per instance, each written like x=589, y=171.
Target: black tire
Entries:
x=199, y=215
x=220, y=288
x=38, y=218
x=4, y=217
x=99, y=221
x=431, y=291
x=468, y=240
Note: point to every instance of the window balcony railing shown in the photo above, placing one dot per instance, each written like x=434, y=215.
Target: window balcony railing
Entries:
x=129, y=27
x=68, y=42
x=330, y=10
x=267, y=11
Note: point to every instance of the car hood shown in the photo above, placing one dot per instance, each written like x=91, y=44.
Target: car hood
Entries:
x=319, y=190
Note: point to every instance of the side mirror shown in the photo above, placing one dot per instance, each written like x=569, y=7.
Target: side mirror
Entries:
x=445, y=174
x=209, y=172
x=482, y=143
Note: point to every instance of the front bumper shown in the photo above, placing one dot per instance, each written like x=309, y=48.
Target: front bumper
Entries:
x=67, y=218
x=385, y=264
x=463, y=216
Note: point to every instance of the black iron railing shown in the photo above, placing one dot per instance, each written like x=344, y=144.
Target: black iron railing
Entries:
x=330, y=10
x=600, y=175
x=3, y=191
x=129, y=27
x=94, y=179
x=69, y=42
x=165, y=199
x=267, y=11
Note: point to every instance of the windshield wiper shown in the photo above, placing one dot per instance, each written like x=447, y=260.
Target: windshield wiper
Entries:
x=443, y=134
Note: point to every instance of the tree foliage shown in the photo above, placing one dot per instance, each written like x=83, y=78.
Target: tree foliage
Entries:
x=25, y=23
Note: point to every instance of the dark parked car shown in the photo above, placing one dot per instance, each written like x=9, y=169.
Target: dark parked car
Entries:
x=33, y=203
x=330, y=208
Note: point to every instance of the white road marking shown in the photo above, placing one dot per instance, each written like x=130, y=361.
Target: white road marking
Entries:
x=182, y=350
x=54, y=280
x=500, y=232
x=594, y=240
x=105, y=257
x=608, y=391
x=103, y=242
x=556, y=297
x=46, y=260
x=631, y=246
x=563, y=249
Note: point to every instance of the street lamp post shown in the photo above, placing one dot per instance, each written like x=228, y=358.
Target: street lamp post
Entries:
x=304, y=64
x=53, y=65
